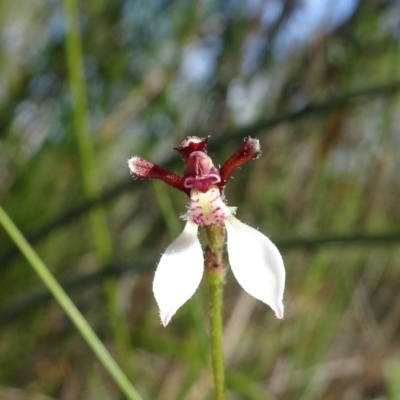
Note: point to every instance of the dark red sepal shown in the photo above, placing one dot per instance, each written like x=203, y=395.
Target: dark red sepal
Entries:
x=191, y=144
x=249, y=150
x=146, y=169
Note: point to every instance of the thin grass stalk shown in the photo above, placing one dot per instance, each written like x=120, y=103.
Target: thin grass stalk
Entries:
x=66, y=304
x=91, y=185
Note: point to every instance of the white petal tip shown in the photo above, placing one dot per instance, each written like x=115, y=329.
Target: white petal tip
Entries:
x=166, y=316
x=165, y=319
x=279, y=311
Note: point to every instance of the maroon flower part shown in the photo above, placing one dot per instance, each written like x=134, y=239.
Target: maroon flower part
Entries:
x=200, y=172
x=254, y=259
x=249, y=150
x=191, y=144
x=141, y=168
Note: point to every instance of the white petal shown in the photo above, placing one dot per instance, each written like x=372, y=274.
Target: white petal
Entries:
x=179, y=272
x=256, y=264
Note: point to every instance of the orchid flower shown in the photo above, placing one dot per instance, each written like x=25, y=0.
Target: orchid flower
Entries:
x=255, y=261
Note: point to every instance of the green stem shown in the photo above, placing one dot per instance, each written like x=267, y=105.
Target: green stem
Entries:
x=90, y=177
x=91, y=184
x=67, y=305
x=215, y=272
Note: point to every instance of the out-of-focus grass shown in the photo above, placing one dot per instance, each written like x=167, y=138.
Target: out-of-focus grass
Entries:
x=330, y=173
x=70, y=309
x=90, y=178
x=392, y=371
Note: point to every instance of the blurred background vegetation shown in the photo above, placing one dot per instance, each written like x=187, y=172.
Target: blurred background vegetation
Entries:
x=316, y=81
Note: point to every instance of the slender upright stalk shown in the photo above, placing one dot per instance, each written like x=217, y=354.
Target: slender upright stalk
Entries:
x=215, y=272
x=90, y=177
x=67, y=305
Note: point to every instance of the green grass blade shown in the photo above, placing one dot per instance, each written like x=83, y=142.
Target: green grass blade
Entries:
x=67, y=305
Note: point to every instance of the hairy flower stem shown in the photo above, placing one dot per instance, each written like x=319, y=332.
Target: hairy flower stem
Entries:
x=215, y=272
